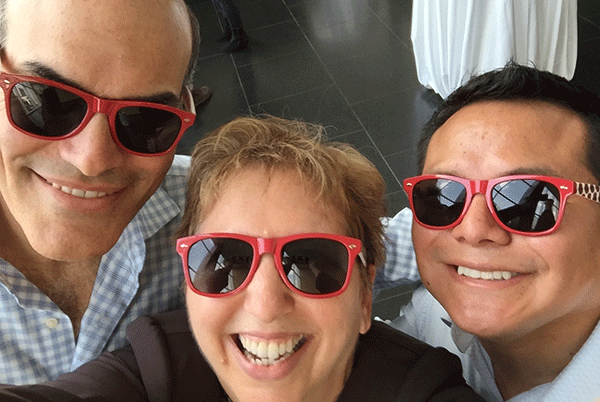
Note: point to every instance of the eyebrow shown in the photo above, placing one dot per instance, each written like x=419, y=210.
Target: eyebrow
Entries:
x=540, y=171
x=42, y=71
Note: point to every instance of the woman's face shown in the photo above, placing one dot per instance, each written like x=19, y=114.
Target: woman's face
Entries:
x=267, y=315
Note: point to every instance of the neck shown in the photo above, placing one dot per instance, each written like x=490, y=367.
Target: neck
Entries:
x=68, y=284
x=538, y=357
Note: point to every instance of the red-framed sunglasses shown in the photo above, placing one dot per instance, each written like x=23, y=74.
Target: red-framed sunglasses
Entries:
x=529, y=205
x=50, y=110
x=314, y=265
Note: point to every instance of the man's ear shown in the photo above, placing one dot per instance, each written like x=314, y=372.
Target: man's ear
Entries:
x=190, y=106
x=5, y=62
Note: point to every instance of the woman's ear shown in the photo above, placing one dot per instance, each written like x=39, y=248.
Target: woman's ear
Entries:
x=367, y=300
x=371, y=272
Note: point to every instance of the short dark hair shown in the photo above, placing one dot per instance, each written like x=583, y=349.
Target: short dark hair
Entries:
x=188, y=80
x=515, y=82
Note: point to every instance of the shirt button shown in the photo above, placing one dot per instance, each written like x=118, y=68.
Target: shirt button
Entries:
x=52, y=323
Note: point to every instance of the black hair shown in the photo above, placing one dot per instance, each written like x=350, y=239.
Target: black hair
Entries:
x=517, y=82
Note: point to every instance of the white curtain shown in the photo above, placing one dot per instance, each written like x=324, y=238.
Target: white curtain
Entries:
x=455, y=39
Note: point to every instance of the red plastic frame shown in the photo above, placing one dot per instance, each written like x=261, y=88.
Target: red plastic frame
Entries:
x=272, y=246
x=109, y=107
x=564, y=186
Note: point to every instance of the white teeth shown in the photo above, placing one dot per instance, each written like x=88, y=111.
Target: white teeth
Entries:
x=76, y=192
x=79, y=193
x=262, y=349
x=273, y=351
x=487, y=275
x=269, y=352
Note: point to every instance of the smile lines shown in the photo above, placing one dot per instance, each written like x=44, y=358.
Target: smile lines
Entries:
x=266, y=353
x=486, y=275
x=79, y=193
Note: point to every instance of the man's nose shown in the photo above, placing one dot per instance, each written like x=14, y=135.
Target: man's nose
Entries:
x=93, y=150
x=478, y=226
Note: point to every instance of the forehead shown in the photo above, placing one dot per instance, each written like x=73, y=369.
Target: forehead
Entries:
x=275, y=203
x=114, y=48
x=491, y=139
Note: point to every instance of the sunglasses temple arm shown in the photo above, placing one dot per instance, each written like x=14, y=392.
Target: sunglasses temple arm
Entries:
x=190, y=99
x=589, y=191
x=362, y=258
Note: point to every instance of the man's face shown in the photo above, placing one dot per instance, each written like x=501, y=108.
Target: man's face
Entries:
x=557, y=283
x=123, y=49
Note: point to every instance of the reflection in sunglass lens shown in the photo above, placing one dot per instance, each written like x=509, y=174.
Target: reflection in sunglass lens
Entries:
x=438, y=202
x=315, y=266
x=526, y=205
x=147, y=130
x=219, y=265
x=45, y=111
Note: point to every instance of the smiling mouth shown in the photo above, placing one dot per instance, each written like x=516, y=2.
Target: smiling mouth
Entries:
x=78, y=192
x=485, y=275
x=266, y=353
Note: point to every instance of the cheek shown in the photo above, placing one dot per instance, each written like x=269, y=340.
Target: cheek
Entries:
x=352, y=310
x=146, y=173
x=153, y=168
x=208, y=320
x=424, y=242
x=15, y=144
x=572, y=258
x=575, y=246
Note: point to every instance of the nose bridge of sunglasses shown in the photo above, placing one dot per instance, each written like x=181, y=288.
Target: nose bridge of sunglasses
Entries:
x=478, y=186
x=104, y=106
x=266, y=246
x=475, y=187
x=107, y=107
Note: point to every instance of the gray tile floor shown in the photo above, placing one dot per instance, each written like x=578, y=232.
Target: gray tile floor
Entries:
x=346, y=64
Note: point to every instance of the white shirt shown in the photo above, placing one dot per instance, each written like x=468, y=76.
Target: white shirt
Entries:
x=425, y=319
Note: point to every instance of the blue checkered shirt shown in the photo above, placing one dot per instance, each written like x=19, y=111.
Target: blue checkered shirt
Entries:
x=400, y=264
x=141, y=274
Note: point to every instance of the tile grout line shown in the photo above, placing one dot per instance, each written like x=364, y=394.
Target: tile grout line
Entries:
x=344, y=96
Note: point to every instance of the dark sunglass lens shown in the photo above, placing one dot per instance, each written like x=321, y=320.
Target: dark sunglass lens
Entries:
x=526, y=205
x=147, y=130
x=315, y=266
x=219, y=265
x=44, y=110
x=438, y=202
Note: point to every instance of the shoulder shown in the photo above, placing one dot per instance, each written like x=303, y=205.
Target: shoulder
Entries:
x=390, y=346
x=175, y=181
x=168, y=358
x=392, y=366
x=156, y=332
x=158, y=328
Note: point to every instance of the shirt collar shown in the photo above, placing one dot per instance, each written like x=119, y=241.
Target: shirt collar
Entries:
x=156, y=212
x=462, y=339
